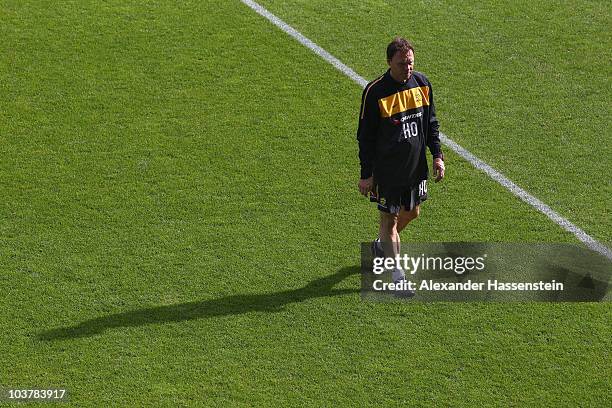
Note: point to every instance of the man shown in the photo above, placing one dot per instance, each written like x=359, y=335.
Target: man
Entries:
x=397, y=122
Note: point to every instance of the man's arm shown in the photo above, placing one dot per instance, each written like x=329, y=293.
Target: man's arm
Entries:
x=433, y=139
x=366, y=136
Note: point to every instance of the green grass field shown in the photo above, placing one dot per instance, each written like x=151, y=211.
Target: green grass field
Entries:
x=181, y=223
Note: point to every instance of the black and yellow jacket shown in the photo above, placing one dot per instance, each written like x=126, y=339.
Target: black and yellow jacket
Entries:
x=396, y=122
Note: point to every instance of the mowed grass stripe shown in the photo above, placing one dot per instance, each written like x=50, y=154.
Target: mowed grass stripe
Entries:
x=190, y=212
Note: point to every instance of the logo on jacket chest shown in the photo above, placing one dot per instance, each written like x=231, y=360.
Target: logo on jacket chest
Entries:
x=409, y=125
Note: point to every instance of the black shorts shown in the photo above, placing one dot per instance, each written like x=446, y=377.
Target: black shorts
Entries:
x=392, y=200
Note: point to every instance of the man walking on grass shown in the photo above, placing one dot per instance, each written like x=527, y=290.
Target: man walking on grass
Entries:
x=397, y=122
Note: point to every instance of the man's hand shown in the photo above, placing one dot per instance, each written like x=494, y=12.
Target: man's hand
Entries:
x=366, y=185
x=438, y=169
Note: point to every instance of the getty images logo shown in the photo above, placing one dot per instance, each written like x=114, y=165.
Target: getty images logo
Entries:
x=412, y=264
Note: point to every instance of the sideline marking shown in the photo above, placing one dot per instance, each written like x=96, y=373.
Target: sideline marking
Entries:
x=567, y=225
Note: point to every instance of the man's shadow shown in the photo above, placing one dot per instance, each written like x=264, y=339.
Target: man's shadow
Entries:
x=229, y=305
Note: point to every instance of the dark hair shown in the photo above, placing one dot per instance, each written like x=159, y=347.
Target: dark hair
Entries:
x=398, y=44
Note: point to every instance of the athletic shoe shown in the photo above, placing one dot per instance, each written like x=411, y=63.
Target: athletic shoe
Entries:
x=405, y=293
x=398, y=276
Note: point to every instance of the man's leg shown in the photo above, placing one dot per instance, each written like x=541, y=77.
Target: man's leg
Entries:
x=390, y=240
x=406, y=216
x=389, y=236
x=403, y=219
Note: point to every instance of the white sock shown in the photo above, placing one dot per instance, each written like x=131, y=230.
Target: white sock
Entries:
x=398, y=275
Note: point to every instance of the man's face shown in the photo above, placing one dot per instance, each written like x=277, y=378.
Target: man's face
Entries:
x=401, y=65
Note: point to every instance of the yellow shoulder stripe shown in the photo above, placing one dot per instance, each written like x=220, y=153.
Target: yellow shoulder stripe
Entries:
x=365, y=97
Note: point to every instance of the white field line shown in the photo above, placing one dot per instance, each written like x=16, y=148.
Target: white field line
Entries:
x=475, y=161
